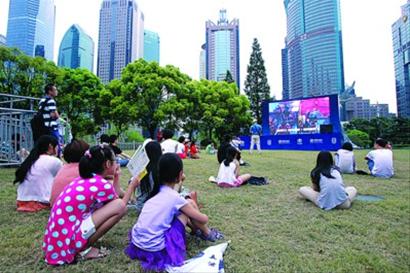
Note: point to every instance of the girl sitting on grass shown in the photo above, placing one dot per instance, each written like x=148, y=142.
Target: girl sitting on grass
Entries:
x=36, y=175
x=158, y=238
x=228, y=175
x=86, y=209
x=328, y=191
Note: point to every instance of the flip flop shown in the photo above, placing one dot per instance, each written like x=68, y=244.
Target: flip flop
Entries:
x=86, y=254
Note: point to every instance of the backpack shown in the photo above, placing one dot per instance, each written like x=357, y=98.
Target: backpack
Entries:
x=37, y=123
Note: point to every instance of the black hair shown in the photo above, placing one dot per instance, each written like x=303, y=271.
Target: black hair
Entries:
x=48, y=88
x=41, y=147
x=324, y=166
x=154, y=152
x=347, y=146
x=75, y=150
x=181, y=139
x=381, y=142
x=231, y=154
x=167, y=133
x=104, y=138
x=93, y=161
x=113, y=138
x=169, y=167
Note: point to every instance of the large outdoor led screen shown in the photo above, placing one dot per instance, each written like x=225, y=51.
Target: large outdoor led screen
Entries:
x=298, y=116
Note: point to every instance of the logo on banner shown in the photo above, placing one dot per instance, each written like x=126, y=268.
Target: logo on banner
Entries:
x=283, y=141
x=334, y=140
x=299, y=141
x=269, y=142
x=316, y=141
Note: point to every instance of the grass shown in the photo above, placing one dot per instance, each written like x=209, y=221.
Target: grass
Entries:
x=271, y=229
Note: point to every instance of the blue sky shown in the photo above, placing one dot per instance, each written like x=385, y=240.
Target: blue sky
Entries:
x=366, y=27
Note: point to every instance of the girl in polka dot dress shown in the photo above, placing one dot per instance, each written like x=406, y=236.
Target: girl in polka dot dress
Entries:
x=86, y=209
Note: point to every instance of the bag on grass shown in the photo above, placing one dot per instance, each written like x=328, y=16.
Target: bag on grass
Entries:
x=258, y=181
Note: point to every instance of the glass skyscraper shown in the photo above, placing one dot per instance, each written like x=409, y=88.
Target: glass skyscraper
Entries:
x=312, y=60
x=30, y=27
x=151, y=46
x=202, y=62
x=2, y=40
x=222, y=48
x=401, y=47
x=76, y=49
x=121, y=37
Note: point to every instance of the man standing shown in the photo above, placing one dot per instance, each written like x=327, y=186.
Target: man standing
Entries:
x=50, y=113
x=256, y=131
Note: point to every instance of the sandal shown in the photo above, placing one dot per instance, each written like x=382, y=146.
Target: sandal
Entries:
x=98, y=253
x=213, y=235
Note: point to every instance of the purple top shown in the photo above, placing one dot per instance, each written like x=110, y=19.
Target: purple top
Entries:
x=156, y=218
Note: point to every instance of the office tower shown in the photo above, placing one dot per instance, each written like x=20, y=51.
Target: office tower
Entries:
x=31, y=25
x=76, y=49
x=2, y=40
x=222, y=48
x=401, y=47
x=121, y=37
x=202, y=62
x=313, y=51
x=151, y=46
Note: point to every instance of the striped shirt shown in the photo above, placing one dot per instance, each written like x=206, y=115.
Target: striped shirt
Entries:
x=49, y=108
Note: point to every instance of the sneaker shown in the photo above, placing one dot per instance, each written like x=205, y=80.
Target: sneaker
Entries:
x=212, y=179
x=213, y=235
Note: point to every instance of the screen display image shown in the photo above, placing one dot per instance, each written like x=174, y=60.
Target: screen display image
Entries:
x=299, y=116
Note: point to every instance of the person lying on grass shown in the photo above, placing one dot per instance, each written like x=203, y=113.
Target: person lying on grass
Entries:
x=158, y=238
x=228, y=174
x=86, y=209
x=328, y=191
x=36, y=175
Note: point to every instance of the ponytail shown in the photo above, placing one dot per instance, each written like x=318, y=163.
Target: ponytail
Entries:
x=231, y=154
x=41, y=147
x=92, y=162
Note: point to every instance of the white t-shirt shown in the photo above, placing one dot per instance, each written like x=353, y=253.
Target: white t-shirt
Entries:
x=383, y=162
x=37, y=184
x=169, y=146
x=345, y=161
x=226, y=174
x=180, y=148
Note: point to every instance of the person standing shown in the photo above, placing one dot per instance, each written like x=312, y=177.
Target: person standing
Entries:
x=50, y=113
x=256, y=131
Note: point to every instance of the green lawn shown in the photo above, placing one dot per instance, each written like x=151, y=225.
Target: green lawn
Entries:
x=271, y=229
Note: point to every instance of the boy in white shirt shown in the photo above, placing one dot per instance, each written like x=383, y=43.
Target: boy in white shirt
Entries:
x=169, y=145
x=380, y=160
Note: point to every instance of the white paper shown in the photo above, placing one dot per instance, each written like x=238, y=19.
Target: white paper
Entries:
x=138, y=161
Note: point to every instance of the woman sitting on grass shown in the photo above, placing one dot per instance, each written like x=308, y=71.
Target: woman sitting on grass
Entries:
x=158, y=237
x=328, y=191
x=228, y=175
x=344, y=158
x=86, y=209
x=72, y=154
x=36, y=175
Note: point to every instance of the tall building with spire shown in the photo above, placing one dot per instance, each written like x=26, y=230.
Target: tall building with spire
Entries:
x=76, y=49
x=222, y=48
x=151, y=46
x=401, y=48
x=202, y=62
x=121, y=37
x=31, y=26
x=312, y=60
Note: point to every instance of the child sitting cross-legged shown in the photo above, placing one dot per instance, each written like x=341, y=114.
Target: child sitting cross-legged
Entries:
x=157, y=240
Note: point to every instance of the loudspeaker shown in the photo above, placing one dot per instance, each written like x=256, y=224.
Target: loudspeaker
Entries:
x=326, y=128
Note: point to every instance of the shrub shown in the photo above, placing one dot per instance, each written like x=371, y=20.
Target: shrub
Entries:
x=359, y=138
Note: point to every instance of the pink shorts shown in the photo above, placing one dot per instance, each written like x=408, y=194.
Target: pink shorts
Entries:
x=238, y=182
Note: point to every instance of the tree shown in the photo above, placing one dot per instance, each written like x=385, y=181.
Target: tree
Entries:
x=79, y=90
x=359, y=138
x=146, y=87
x=256, y=85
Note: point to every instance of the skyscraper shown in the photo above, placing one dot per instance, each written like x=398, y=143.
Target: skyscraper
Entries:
x=222, y=48
x=401, y=47
x=31, y=25
x=76, y=49
x=202, y=62
x=121, y=37
x=313, y=51
x=2, y=40
x=151, y=46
